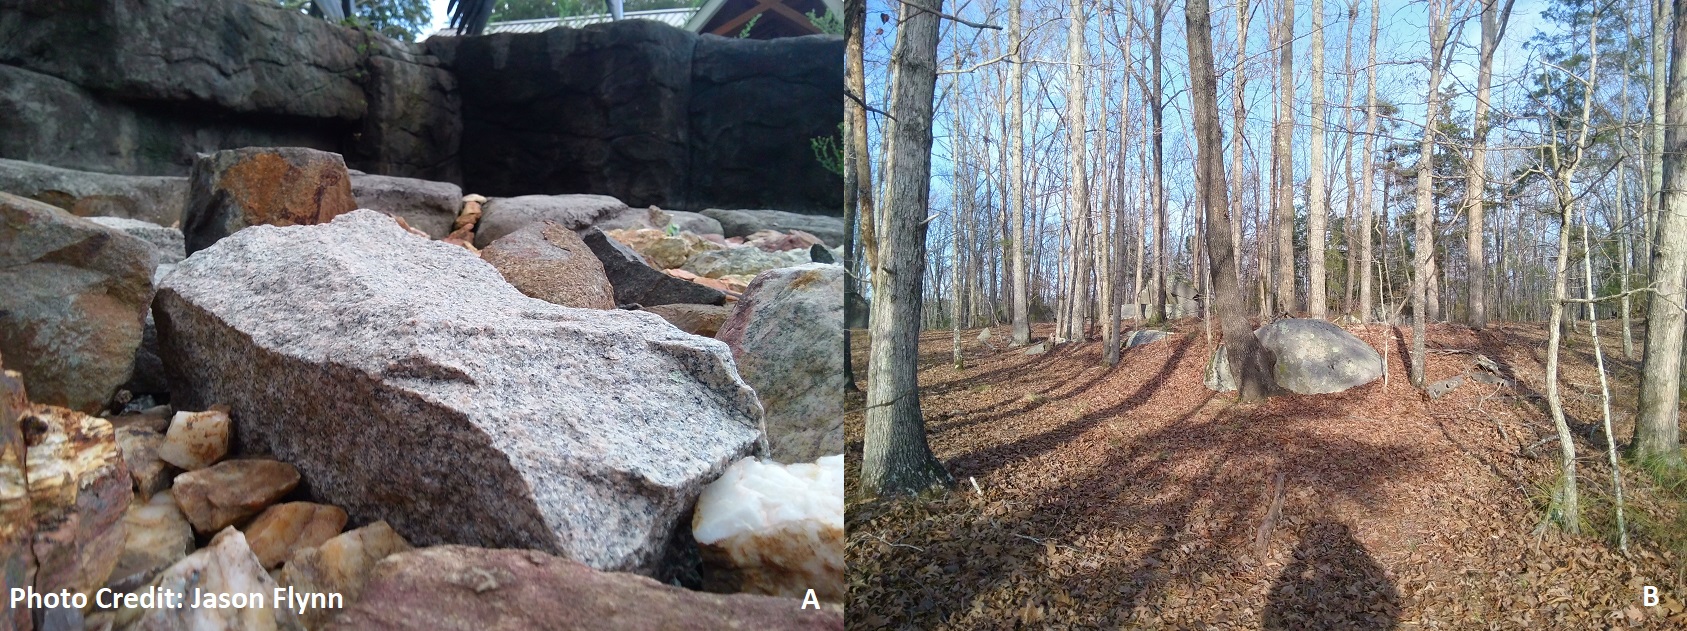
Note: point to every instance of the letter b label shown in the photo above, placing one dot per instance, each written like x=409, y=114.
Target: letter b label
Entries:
x=1649, y=596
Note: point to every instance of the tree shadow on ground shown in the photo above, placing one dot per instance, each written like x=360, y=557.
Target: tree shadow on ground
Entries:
x=1333, y=583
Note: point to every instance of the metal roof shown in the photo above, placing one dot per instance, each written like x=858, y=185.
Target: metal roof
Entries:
x=676, y=18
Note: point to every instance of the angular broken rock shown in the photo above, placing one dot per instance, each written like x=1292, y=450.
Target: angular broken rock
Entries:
x=340, y=565
x=73, y=305
x=196, y=440
x=787, y=335
x=503, y=215
x=426, y=205
x=451, y=588
x=549, y=262
x=475, y=414
x=158, y=536
x=704, y=320
x=284, y=528
x=166, y=242
x=139, y=445
x=223, y=494
x=768, y=528
x=79, y=490
x=637, y=283
x=227, y=567
x=278, y=186
x=17, y=522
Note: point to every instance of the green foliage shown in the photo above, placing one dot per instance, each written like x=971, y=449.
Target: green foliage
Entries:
x=745, y=34
x=402, y=20
x=828, y=150
x=829, y=23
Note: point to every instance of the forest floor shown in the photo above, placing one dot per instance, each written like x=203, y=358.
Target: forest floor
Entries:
x=1134, y=497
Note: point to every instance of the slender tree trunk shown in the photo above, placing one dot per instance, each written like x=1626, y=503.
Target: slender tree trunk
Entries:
x=895, y=456
x=1239, y=128
x=1286, y=163
x=1367, y=170
x=1661, y=34
x=1604, y=383
x=1423, y=251
x=1318, y=211
x=962, y=187
x=1158, y=108
x=1077, y=89
x=1250, y=362
x=1349, y=233
x=1657, y=432
x=857, y=186
x=1493, y=28
x=1016, y=88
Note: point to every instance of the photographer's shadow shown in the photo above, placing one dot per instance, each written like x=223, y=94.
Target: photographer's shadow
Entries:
x=1333, y=583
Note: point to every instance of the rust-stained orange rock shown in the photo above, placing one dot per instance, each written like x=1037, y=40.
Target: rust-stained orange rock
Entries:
x=16, y=520
x=223, y=494
x=277, y=186
x=79, y=489
x=284, y=528
x=196, y=440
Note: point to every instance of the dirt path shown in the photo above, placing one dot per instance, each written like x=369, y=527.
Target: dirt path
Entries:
x=1135, y=497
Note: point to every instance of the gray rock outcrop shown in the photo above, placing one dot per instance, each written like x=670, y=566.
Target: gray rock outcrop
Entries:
x=155, y=199
x=408, y=382
x=426, y=205
x=503, y=215
x=743, y=223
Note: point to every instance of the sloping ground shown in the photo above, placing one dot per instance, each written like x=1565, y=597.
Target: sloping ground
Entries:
x=1135, y=497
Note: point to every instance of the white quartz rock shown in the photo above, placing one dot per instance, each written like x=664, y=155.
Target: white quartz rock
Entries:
x=774, y=529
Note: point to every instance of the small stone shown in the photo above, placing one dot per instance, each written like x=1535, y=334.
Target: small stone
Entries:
x=79, y=490
x=218, y=496
x=284, y=528
x=340, y=565
x=767, y=528
x=1037, y=349
x=196, y=439
x=636, y=282
x=227, y=567
x=150, y=473
x=429, y=206
x=158, y=536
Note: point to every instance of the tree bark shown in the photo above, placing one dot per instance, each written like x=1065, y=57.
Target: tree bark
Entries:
x=1286, y=163
x=895, y=456
x=1424, y=215
x=1016, y=88
x=1238, y=108
x=1493, y=28
x=1367, y=172
x=1318, y=212
x=1657, y=433
x=1250, y=362
x=857, y=187
x=1077, y=88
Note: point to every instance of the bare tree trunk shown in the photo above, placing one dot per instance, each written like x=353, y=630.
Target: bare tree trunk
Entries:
x=1286, y=163
x=1249, y=361
x=1604, y=383
x=1239, y=126
x=895, y=456
x=1367, y=171
x=1349, y=233
x=962, y=188
x=1157, y=108
x=1077, y=89
x=857, y=167
x=1657, y=433
x=1318, y=211
x=1661, y=25
x=1493, y=28
x=1423, y=251
x=1016, y=86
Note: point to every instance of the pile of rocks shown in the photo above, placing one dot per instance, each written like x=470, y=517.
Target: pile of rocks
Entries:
x=408, y=375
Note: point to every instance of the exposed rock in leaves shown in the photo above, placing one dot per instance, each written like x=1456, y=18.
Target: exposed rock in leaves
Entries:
x=460, y=588
x=785, y=334
x=273, y=186
x=547, y=261
x=228, y=492
x=283, y=529
x=76, y=295
x=1316, y=357
x=498, y=419
x=767, y=528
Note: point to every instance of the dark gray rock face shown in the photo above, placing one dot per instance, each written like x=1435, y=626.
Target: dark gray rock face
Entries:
x=743, y=223
x=158, y=200
x=595, y=110
x=636, y=282
x=756, y=106
x=408, y=382
x=1316, y=357
x=413, y=126
x=426, y=205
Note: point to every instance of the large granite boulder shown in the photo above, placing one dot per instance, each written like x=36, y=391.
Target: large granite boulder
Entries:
x=787, y=335
x=636, y=282
x=756, y=108
x=476, y=414
x=452, y=588
x=156, y=199
x=504, y=215
x=17, y=522
x=1316, y=357
x=426, y=205
x=551, y=263
x=276, y=186
x=743, y=223
x=74, y=303
x=600, y=109
x=79, y=490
